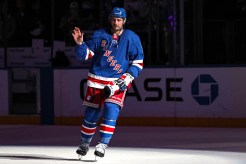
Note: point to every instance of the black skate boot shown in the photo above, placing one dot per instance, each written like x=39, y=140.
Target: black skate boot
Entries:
x=100, y=150
x=83, y=149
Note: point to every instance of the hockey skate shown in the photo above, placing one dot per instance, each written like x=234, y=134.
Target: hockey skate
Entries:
x=82, y=150
x=100, y=150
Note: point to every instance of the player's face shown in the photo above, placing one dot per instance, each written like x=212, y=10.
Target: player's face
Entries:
x=116, y=23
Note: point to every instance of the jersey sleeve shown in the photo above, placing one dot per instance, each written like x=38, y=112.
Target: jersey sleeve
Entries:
x=136, y=57
x=88, y=49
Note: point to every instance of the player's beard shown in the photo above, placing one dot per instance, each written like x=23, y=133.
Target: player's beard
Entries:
x=116, y=29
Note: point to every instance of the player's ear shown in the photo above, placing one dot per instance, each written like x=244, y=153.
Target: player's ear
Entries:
x=124, y=20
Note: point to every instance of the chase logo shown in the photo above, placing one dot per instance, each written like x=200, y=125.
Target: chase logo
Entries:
x=204, y=89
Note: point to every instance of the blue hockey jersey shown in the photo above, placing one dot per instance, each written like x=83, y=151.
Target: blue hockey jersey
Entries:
x=111, y=56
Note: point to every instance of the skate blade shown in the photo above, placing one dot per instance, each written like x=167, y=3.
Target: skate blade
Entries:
x=96, y=157
x=86, y=160
x=80, y=157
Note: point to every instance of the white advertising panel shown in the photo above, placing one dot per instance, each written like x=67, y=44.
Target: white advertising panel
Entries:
x=147, y=97
x=217, y=92
x=67, y=100
x=165, y=92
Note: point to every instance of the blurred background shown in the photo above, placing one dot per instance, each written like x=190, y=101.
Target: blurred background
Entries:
x=36, y=43
x=173, y=32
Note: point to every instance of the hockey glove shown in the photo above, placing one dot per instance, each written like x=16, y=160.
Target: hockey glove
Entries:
x=124, y=81
x=110, y=89
x=120, y=84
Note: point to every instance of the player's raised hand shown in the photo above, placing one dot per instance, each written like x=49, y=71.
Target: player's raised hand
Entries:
x=78, y=36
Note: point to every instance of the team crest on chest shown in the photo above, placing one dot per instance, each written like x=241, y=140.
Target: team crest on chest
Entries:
x=103, y=43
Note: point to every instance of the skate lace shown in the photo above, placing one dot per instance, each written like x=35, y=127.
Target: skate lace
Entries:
x=101, y=147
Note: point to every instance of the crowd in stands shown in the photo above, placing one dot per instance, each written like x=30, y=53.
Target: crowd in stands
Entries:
x=24, y=20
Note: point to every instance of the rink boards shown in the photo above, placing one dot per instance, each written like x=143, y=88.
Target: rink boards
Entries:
x=159, y=96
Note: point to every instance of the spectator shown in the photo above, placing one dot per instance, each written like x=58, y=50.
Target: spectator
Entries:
x=60, y=60
x=88, y=14
x=40, y=28
x=72, y=19
x=24, y=17
x=7, y=24
x=138, y=14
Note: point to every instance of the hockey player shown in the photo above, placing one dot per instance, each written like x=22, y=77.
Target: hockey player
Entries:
x=117, y=57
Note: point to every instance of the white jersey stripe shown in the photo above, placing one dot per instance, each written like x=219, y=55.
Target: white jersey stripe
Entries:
x=101, y=78
x=107, y=126
x=95, y=85
x=138, y=65
x=106, y=132
x=137, y=61
x=88, y=128
x=87, y=54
